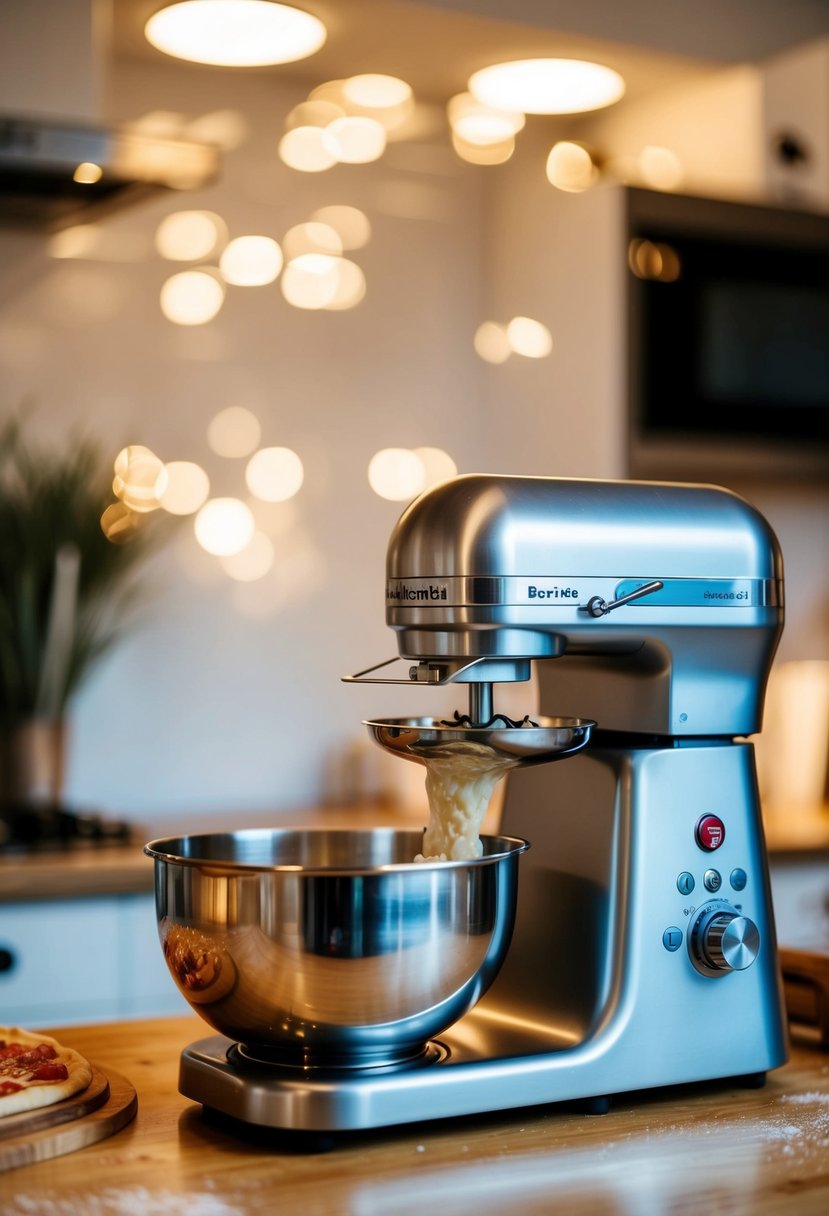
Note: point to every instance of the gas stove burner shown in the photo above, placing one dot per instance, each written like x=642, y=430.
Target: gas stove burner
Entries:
x=31, y=826
x=338, y=1062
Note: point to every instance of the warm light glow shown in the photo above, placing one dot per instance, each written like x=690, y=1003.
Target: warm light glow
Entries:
x=87, y=173
x=374, y=91
x=357, y=139
x=491, y=342
x=314, y=237
x=316, y=113
x=570, y=167
x=234, y=432
x=308, y=149
x=438, y=465
x=652, y=260
x=139, y=478
x=529, y=338
x=483, y=154
x=251, y=261
x=186, y=236
x=397, y=474
x=311, y=280
x=227, y=129
x=252, y=562
x=351, y=286
x=77, y=242
x=224, y=526
x=235, y=33
x=350, y=223
x=660, y=168
x=192, y=297
x=119, y=524
x=186, y=488
x=274, y=474
x=386, y=98
x=547, y=86
x=475, y=123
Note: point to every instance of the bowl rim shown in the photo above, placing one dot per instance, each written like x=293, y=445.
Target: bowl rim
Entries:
x=165, y=850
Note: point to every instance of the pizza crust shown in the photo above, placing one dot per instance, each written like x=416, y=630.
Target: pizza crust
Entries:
x=36, y=1094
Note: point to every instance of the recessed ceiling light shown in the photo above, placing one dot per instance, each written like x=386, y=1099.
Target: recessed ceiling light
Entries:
x=547, y=86
x=235, y=33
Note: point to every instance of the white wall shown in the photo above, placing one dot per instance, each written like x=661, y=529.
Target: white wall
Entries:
x=229, y=696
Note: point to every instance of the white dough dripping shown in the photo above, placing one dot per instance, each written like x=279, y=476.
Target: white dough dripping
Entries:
x=459, y=787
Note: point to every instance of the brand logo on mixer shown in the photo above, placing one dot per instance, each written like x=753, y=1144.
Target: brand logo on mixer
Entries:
x=402, y=591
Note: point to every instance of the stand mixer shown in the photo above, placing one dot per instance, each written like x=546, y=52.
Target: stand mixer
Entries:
x=643, y=953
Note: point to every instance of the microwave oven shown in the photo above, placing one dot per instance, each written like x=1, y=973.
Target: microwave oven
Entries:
x=728, y=339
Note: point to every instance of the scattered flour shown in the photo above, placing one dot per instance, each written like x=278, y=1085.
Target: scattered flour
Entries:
x=136, y=1201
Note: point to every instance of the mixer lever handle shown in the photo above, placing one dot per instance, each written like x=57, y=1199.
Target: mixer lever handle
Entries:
x=596, y=606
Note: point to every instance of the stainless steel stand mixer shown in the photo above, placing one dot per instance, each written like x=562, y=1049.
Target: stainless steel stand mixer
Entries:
x=643, y=952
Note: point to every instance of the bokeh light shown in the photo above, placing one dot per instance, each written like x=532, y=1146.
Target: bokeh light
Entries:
x=529, y=338
x=251, y=261
x=357, y=139
x=660, y=168
x=491, y=342
x=437, y=464
x=570, y=167
x=350, y=223
x=186, y=489
x=350, y=288
x=224, y=526
x=139, y=478
x=274, y=474
x=234, y=431
x=313, y=237
x=397, y=474
x=311, y=280
x=192, y=297
x=187, y=236
x=119, y=524
x=308, y=149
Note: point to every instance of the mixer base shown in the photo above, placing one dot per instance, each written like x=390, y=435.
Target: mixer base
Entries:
x=450, y=1080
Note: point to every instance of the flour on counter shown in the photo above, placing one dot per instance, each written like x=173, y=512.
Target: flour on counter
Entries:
x=137, y=1201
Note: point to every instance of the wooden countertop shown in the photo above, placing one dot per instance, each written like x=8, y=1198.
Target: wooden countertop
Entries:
x=693, y=1151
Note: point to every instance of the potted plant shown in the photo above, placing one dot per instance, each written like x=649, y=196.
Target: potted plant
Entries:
x=64, y=590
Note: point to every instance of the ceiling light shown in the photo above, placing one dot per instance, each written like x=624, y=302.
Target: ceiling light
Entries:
x=235, y=33
x=547, y=86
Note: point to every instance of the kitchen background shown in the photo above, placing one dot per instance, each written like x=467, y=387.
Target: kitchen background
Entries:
x=224, y=694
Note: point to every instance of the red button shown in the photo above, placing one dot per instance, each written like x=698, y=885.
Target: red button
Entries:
x=710, y=833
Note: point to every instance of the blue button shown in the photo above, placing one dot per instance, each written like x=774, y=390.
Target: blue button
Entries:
x=672, y=938
x=685, y=883
x=738, y=879
x=712, y=880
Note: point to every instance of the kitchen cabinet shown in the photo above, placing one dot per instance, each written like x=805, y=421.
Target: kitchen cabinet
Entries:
x=83, y=960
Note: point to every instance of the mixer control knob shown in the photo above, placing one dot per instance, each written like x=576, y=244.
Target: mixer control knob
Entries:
x=723, y=940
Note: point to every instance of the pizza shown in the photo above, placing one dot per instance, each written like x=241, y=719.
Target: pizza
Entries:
x=37, y=1071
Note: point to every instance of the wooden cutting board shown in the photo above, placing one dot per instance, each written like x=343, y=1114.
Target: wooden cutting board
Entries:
x=107, y=1104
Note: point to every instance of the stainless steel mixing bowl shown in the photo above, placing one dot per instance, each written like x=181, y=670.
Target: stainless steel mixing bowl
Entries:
x=332, y=948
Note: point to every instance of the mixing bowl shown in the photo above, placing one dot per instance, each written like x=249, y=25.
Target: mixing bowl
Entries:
x=320, y=948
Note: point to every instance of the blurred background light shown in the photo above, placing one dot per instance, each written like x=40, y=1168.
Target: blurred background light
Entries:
x=274, y=474
x=251, y=261
x=234, y=431
x=224, y=526
x=397, y=474
x=192, y=297
x=235, y=33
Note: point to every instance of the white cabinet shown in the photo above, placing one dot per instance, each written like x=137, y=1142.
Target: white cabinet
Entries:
x=70, y=961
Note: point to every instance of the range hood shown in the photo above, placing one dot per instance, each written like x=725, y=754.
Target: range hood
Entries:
x=60, y=162
x=53, y=174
